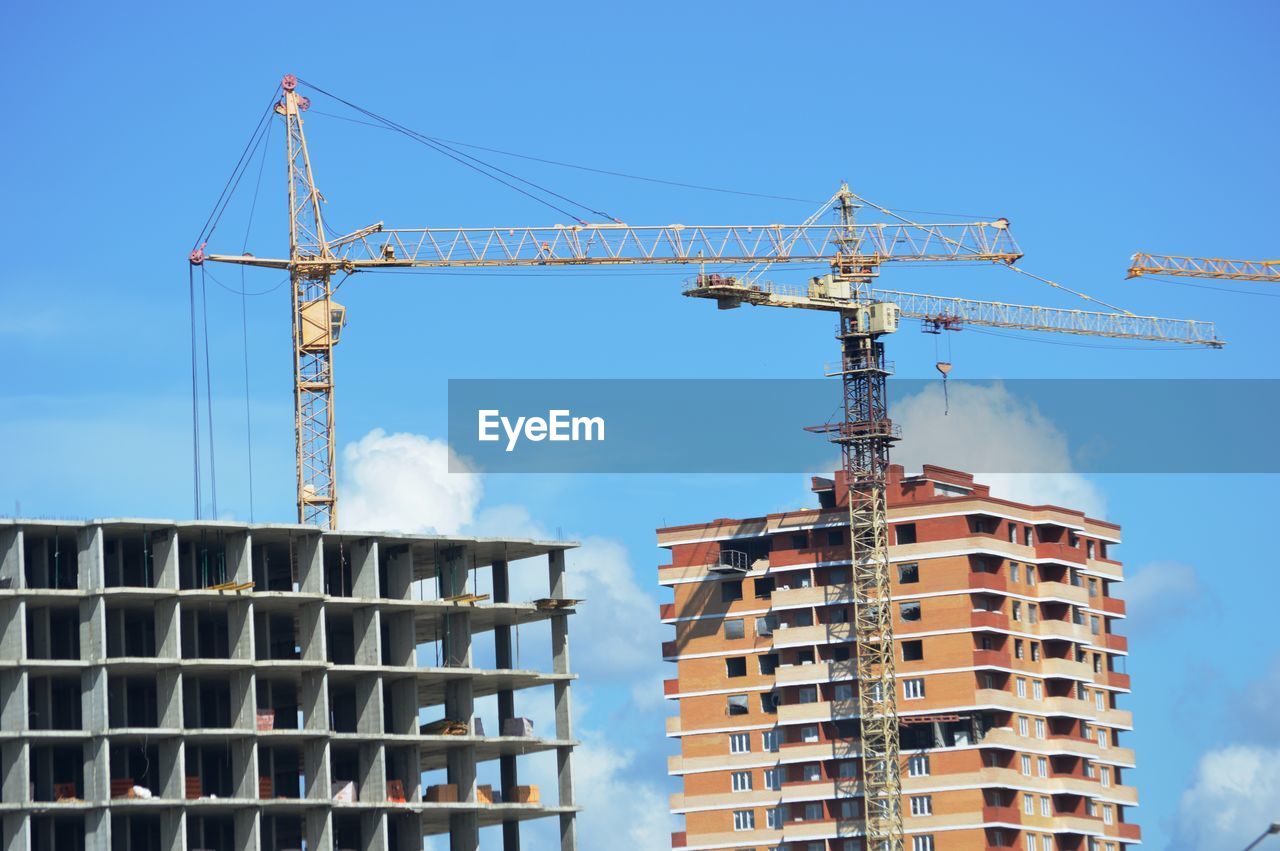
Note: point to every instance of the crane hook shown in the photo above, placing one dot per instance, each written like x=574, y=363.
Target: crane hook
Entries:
x=944, y=367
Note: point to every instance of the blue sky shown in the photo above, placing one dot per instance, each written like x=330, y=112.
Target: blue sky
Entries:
x=1098, y=131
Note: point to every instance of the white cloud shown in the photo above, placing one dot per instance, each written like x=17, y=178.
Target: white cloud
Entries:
x=994, y=435
x=1163, y=593
x=1235, y=795
x=401, y=482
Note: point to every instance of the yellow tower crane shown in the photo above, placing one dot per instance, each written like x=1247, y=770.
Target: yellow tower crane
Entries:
x=1204, y=267
x=855, y=252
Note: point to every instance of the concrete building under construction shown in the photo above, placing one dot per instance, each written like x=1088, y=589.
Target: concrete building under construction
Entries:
x=168, y=686
x=1009, y=675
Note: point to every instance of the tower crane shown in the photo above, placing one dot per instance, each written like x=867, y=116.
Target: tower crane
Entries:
x=855, y=252
x=1204, y=267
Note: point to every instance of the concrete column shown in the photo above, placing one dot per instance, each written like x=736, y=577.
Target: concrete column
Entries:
x=311, y=632
x=364, y=568
x=15, y=783
x=172, y=779
x=97, y=771
x=509, y=777
x=369, y=713
x=399, y=570
x=313, y=699
x=11, y=559
x=373, y=827
x=318, y=829
x=564, y=713
x=173, y=829
x=247, y=826
x=239, y=562
x=16, y=832
x=164, y=560
x=464, y=828
x=373, y=774
x=310, y=555
x=97, y=830
x=367, y=631
x=14, y=700
x=13, y=629
x=89, y=560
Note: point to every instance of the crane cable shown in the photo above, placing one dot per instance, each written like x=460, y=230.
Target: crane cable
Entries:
x=1015, y=268
x=461, y=157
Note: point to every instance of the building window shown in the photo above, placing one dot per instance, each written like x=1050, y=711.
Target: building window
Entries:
x=1026, y=765
x=1037, y=690
x=764, y=587
x=1020, y=684
x=1033, y=613
x=921, y=805
x=773, y=818
x=769, y=741
x=913, y=689
x=772, y=779
x=908, y=574
x=1099, y=698
x=922, y=843
x=1097, y=663
x=813, y=812
x=734, y=629
x=741, y=781
x=1013, y=533
x=1017, y=648
x=1108, y=814
x=1031, y=574
x=739, y=743
x=918, y=765
x=847, y=770
x=1089, y=770
x=735, y=666
x=1103, y=739
x=1029, y=804
x=1095, y=626
x=1105, y=774
x=766, y=624
x=1093, y=587
x=1039, y=728
x=799, y=540
x=731, y=590
x=809, y=733
x=737, y=704
x=909, y=611
x=835, y=538
x=1022, y=726
x=1013, y=571
x=838, y=615
x=1028, y=536
x=906, y=533
x=1015, y=609
x=769, y=702
x=844, y=691
x=1042, y=766
x=808, y=694
x=768, y=663
x=912, y=651
x=1045, y=808
x=810, y=773
x=1035, y=651
x=744, y=819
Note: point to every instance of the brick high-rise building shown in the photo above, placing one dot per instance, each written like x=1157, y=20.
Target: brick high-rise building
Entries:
x=1008, y=667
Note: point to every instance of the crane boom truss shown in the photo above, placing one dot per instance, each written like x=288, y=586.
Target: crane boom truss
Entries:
x=1204, y=267
x=378, y=248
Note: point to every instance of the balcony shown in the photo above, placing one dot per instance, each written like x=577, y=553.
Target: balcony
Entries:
x=1131, y=832
x=816, y=713
x=669, y=650
x=679, y=840
x=1001, y=815
x=670, y=687
x=815, y=595
x=673, y=725
x=1110, y=605
x=1066, y=668
x=992, y=659
x=804, y=636
x=988, y=582
x=667, y=611
x=1117, y=679
x=1064, y=591
x=1113, y=642
x=1005, y=737
x=1065, y=630
x=992, y=620
x=1060, y=552
x=816, y=672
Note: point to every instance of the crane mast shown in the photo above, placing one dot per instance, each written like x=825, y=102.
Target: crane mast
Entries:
x=865, y=433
